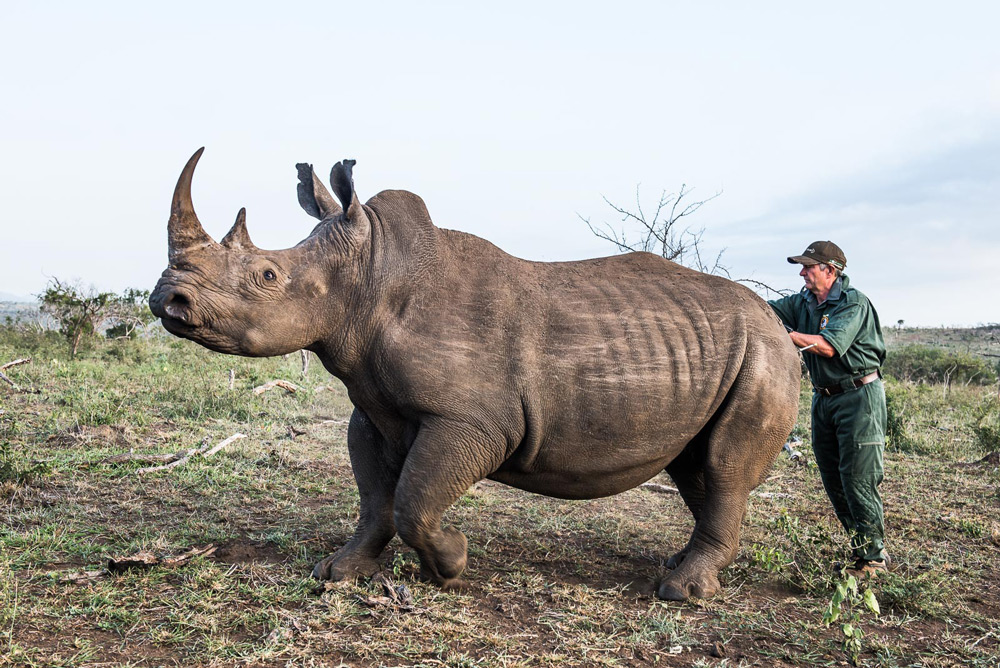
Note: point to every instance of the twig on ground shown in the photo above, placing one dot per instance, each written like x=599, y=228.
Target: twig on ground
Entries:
x=7, y=380
x=666, y=489
x=283, y=384
x=234, y=437
x=179, y=458
x=140, y=560
x=772, y=495
x=182, y=459
x=141, y=458
x=662, y=489
x=15, y=363
x=8, y=365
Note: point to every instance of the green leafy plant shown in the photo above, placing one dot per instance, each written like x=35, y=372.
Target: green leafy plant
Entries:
x=847, y=605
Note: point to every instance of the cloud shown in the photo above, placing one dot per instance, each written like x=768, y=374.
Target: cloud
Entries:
x=922, y=232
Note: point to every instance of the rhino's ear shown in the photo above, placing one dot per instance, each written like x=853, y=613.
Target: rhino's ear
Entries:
x=342, y=181
x=238, y=237
x=313, y=195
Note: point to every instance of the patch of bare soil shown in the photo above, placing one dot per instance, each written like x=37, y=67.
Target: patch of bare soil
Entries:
x=242, y=552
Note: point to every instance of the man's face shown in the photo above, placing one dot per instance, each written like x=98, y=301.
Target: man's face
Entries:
x=818, y=277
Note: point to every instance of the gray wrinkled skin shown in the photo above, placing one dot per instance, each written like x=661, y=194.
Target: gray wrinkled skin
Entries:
x=570, y=379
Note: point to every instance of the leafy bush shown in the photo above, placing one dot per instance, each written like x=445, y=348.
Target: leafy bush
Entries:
x=82, y=313
x=927, y=364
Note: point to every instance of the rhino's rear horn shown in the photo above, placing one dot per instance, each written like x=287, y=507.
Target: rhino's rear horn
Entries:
x=238, y=237
x=184, y=230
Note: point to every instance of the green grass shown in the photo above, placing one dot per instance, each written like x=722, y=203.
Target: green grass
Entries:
x=554, y=583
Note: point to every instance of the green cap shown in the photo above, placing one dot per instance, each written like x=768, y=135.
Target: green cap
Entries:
x=821, y=252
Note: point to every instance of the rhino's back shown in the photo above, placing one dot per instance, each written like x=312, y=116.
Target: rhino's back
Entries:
x=598, y=370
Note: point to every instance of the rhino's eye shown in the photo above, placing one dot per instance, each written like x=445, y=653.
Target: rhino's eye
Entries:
x=269, y=275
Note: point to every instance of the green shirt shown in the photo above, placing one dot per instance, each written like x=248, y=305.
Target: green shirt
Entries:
x=848, y=321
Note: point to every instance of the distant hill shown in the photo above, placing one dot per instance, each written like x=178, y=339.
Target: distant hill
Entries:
x=18, y=299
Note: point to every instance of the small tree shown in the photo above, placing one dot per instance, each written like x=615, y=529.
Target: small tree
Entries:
x=128, y=313
x=81, y=312
x=78, y=311
x=663, y=234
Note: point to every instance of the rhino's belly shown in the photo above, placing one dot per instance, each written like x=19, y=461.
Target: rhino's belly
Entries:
x=588, y=466
x=578, y=482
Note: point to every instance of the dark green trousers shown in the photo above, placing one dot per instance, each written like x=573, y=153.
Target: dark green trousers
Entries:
x=848, y=437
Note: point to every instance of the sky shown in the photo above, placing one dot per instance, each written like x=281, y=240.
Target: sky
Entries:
x=875, y=125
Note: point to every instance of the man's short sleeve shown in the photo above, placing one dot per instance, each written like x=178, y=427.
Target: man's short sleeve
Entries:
x=841, y=330
x=785, y=310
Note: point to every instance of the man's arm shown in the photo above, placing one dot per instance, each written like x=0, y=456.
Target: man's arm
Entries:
x=812, y=343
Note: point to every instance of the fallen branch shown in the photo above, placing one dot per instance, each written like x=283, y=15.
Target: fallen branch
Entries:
x=139, y=561
x=179, y=458
x=146, y=560
x=141, y=458
x=15, y=363
x=283, y=384
x=182, y=457
x=7, y=380
x=234, y=437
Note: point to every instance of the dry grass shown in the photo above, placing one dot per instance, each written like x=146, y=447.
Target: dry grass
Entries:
x=554, y=583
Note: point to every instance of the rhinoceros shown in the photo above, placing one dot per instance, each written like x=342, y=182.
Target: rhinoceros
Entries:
x=575, y=380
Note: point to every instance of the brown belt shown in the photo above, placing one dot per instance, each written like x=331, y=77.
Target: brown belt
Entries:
x=858, y=382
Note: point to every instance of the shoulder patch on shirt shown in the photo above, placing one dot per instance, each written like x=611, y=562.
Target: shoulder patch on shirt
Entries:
x=824, y=320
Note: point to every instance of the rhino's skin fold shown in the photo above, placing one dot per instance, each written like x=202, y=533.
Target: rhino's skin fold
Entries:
x=571, y=379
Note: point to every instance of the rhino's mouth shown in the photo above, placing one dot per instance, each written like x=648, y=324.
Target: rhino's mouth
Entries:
x=177, y=326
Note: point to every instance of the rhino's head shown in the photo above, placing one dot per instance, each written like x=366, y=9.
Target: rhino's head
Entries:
x=235, y=298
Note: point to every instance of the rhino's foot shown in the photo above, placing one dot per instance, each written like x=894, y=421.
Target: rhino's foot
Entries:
x=341, y=566
x=456, y=586
x=679, y=586
x=445, y=561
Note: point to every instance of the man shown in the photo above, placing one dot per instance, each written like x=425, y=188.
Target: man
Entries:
x=838, y=330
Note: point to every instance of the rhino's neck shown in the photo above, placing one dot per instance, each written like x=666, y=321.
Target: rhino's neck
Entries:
x=397, y=261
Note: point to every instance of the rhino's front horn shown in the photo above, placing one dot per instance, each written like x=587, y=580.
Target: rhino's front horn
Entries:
x=184, y=230
x=238, y=237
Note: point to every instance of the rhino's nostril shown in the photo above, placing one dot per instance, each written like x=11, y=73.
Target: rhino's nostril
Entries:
x=177, y=306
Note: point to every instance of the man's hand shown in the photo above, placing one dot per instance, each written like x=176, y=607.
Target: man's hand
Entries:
x=812, y=343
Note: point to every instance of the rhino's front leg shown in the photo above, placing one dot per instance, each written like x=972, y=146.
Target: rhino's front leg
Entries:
x=376, y=469
x=445, y=460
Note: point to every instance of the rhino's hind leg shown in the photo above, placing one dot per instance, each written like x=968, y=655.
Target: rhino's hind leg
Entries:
x=716, y=474
x=376, y=473
x=688, y=473
x=443, y=463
